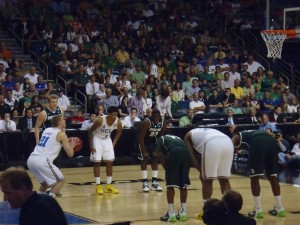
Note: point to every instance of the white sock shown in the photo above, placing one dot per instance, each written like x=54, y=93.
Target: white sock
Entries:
x=171, y=208
x=154, y=173
x=183, y=207
x=278, y=204
x=40, y=192
x=97, y=179
x=203, y=202
x=108, y=180
x=257, y=203
x=52, y=195
x=144, y=174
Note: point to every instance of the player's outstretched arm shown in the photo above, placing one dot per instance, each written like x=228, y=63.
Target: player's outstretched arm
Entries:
x=118, y=134
x=97, y=124
x=41, y=118
x=189, y=144
x=68, y=146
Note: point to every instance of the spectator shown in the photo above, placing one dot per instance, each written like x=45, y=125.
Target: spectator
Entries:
x=291, y=158
x=147, y=102
x=296, y=116
x=235, y=107
x=50, y=89
x=7, y=125
x=17, y=93
x=35, y=102
x=248, y=87
x=40, y=85
x=4, y=108
x=8, y=84
x=268, y=82
x=63, y=101
x=284, y=145
x=32, y=75
x=129, y=120
x=293, y=105
x=9, y=100
x=18, y=191
x=265, y=123
x=101, y=94
x=289, y=95
x=100, y=111
x=110, y=100
x=122, y=55
x=214, y=101
x=193, y=89
x=81, y=78
x=2, y=73
x=137, y=102
x=252, y=65
x=225, y=83
x=87, y=124
x=123, y=108
x=138, y=76
x=91, y=88
x=187, y=83
x=252, y=117
x=214, y=212
x=276, y=116
x=124, y=82
x=227, y=98
x=206, y=75
x=187, y=120
x=76, y=120
x=163, y=104
x=237, y=90
x=266, y=104
x=229, y=118
x=196, y=105
x=178, y=94
x=233, y=202
x=27, y=123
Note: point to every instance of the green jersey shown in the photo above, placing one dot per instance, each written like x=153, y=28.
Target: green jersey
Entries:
x=168, y=143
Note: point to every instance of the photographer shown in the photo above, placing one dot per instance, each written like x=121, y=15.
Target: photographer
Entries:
x=283, y=144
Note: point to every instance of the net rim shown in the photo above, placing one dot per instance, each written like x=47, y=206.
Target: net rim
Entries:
x=286, y=32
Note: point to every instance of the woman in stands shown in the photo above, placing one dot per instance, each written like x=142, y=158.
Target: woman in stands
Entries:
x=164, y=103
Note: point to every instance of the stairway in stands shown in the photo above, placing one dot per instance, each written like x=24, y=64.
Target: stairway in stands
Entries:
x=18, y=53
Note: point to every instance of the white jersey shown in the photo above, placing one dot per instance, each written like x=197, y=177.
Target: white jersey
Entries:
x=105, y=130
x=48, y=146
x=200, y=136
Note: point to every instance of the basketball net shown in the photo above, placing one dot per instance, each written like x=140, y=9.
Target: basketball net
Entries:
x=274, y=40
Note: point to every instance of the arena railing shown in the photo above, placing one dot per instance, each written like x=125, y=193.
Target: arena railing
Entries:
x=78, y=100
x=17, y=39
x=64, y=85
x=41, y=64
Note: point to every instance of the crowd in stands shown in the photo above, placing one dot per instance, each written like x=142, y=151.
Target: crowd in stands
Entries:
x=141, y=56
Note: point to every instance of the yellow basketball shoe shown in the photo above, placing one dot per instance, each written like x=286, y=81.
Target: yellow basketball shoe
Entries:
x=111, y=189
x=198, y=216
x=99, y=190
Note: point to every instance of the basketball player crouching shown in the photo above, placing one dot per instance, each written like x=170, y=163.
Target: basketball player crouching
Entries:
x=102, y=147
x=40, y=162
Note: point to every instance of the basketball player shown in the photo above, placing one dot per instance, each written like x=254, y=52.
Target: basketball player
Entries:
x=44, y=118
x=216, y=151
x=149, y=131
x=175, y=158
x=262, y=150
x=40, y=162
x=102, y=147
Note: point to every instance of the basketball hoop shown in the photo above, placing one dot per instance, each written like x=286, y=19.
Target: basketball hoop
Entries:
x=274, y=40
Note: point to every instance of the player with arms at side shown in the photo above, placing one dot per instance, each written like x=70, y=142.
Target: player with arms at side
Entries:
x=151, y=128
x=262, y=158
x=40, y=162
x=216, y=151
x=44, y=117
x=102, y=147
x=175, y=158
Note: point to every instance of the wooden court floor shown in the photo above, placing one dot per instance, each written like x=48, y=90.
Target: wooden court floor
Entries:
x=131, y=204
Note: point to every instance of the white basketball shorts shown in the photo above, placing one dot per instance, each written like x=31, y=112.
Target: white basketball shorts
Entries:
x=217, y=158
x=44, y=170
x=104, y=150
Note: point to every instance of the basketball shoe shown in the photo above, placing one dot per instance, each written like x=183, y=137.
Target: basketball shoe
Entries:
x=169, y=217
x=199, y=216
x=275, y=212
x=111, y=189
x=155, y=186
x=145, y=187
x=181, y=216
x=99, y=190
x=256, y=214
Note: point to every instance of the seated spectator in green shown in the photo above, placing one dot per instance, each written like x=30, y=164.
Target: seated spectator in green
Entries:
x=206, y=75
x=235, y=107
x=268, y=82
x=187, y=120
x=138, y=76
